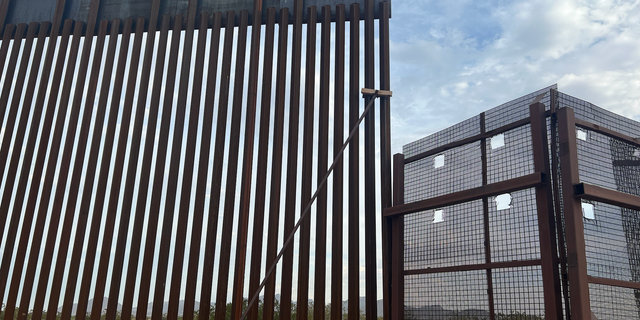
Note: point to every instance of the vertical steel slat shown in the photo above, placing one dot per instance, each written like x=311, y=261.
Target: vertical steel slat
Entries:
x=172, y=185
x=247, y=165
x=263, y=150
x=338, y=175
x=232, y=170
x=114, y=192
x=307, y=165
x=27, y=286
x=136, y=237
x=85, y=203
x=276, y=168
x=136, y=140
x=485, y=215
x=396, y=227
x=354, y=164
x=26, y=166
x=76, y=176
x=370, y=169
x=546, y=222
x=176, y=273
x=323, y=154
x=292, y=160
x=12, y=118
x=28, y=152
x=385, y=150
x=4, y=49
x=4, y=8
x=109, y=227
x=572, y=207
x=158, y=180
x=53, y=159
x=6, y=90
x=203, y=166
x=218, y=162
x=56, y=287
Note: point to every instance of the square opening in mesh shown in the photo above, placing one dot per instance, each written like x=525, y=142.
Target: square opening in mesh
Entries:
x=497, y=141
x=438, y=216
x=588, y=211
x=438, y=161
x=581, y=134
x=503, y=201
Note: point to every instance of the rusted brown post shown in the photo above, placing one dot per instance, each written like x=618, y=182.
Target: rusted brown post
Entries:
x=544, y=203
x=396, y=237
x=574, y=229
x=385, y=150
x=485, y=212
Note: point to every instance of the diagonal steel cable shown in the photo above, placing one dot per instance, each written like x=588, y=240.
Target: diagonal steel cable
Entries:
x=306, y=209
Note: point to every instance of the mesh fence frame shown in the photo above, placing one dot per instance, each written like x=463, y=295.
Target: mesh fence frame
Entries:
x=612, y=238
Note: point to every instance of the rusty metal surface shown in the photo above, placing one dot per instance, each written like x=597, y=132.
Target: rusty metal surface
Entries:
x=338, y=177
x=353, y=267
x=574, y=229
x=546, y=219
x=117, y=194
x=397, y=243
x=276, y=170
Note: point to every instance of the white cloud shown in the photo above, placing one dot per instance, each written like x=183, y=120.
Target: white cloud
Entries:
x=449, y=66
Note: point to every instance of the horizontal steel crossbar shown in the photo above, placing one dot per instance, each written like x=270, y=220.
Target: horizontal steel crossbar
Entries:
x=614, y=283
x=595, y=193
x=524, y=182
x=472, y=267
x=608, y=132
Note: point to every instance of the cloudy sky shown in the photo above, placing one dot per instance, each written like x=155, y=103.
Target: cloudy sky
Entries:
x=451, y=60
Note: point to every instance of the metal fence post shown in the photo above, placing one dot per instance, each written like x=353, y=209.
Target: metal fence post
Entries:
x=546, y=222
x=574, y=229
x=396, y=226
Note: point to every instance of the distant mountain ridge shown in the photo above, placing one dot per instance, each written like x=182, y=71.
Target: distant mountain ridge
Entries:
x=165, y=306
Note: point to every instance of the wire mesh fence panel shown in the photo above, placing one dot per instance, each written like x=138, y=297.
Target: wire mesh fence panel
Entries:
x=518, y=293
x=455, y=295
x=513, y=225
x=509, y=155
x=457, y=132
x=612, y=240
x=450, y=171
x=587, y=111
x=443, y=237
x=514, y=110
x=609, y=302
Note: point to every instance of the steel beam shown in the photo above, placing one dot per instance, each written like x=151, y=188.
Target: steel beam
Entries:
x=524, y=182
x=480, y=266
x=572, y=207
x=600, y=194
x=546, y=222
x=397, y=242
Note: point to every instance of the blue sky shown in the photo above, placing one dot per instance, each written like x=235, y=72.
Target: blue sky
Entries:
x=451, y=60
